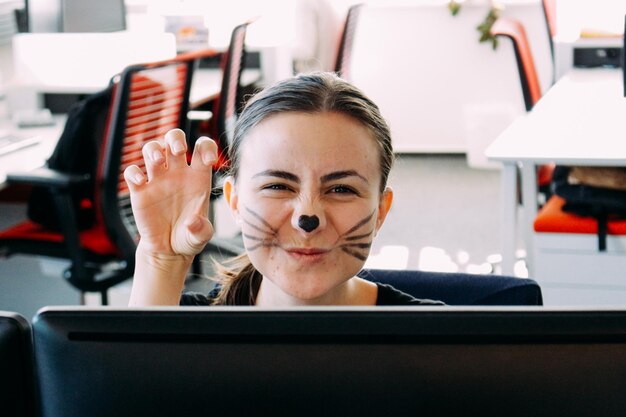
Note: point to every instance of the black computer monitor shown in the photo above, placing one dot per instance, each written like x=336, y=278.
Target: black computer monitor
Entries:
x=16, y=371
x=76, y=16
x=517, y=361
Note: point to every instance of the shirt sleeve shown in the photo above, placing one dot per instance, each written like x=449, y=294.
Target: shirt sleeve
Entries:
x=194, y=299
x=198, y=299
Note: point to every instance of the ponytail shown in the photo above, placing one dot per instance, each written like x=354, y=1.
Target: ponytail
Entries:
x=239, y=282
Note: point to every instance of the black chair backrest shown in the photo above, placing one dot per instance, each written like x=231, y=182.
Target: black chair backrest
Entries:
x=460, y=288
x=16, y=369
x=230, y=97
x=342, y=62
x=549, y=12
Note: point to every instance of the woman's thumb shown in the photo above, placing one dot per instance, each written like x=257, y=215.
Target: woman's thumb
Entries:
x=198, y=232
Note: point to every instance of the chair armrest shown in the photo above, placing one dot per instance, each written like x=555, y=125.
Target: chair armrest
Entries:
x=199, y=115
x=46, y=177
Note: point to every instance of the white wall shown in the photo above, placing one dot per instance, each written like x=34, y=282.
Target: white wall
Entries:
x=439, y=88
x=7, y=29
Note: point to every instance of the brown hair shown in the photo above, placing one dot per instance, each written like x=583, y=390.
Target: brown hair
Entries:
x=308, y=93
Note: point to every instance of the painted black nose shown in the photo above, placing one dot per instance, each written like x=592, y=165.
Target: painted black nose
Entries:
x=308, y=223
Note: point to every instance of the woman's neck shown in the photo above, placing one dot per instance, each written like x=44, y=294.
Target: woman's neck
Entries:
x=355, y=291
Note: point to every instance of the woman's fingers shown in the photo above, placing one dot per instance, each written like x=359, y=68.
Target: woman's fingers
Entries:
x=134, y=177
x=173, y=155
x=177, y=149
x=204, y=154
x=154, y=157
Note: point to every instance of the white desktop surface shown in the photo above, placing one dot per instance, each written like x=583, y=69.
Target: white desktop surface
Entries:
x=579, y=121
x=83, y=62
x=207, y=83
x=32, y=157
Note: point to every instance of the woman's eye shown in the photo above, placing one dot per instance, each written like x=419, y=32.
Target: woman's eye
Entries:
x=342, y=189
x=276, y=187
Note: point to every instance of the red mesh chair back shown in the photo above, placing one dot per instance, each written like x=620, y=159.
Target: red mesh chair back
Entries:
x=147, y=101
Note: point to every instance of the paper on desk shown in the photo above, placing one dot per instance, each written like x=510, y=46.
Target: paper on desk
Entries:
x=599, y=33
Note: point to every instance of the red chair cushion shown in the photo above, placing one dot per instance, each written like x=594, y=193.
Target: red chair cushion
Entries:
x=544, y=174
x=94, y=239
x=552, y=219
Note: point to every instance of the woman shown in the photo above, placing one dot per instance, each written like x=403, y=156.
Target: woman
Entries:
x=310, y=160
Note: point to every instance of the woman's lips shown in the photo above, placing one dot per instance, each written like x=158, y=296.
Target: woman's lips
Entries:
x=307, y=254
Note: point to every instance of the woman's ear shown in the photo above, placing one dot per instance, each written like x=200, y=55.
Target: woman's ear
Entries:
x=384, y=205
x=232, y=199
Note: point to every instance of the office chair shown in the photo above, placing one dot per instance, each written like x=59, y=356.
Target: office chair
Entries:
x=513, y=30
x=17, y=379
x=342, y=62
x=568, y=262
x=226, y=109
x=549, y=10
x=529, y=81
x=460, y=288
x=228, y=105
x=148, y=100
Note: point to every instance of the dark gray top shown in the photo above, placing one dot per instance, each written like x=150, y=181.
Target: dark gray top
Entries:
x=387, y=296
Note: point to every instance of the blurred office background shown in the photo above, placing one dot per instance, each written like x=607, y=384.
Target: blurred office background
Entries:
x=446, y=197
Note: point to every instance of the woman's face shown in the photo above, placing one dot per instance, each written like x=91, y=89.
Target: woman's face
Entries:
x=308, y=200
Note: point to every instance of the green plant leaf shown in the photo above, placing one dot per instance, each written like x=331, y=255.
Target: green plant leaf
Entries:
x=454, y=7
x=484, y=28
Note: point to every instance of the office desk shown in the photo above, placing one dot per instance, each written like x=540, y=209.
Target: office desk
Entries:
x=580, y=121
x=32, y=157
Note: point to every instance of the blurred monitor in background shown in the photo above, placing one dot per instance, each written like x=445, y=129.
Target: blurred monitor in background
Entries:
x=76, y=15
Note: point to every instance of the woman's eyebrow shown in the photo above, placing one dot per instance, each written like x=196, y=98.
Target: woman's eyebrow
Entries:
x=333, y=176
x=278, y=173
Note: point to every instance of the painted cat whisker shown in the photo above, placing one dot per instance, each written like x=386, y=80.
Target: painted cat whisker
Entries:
x=250, y=237
x=257, y=228
x=357, y=245
x=262, y=220
x=357, y=237
x=359, y=224
x=262, y=244
x=357, y=255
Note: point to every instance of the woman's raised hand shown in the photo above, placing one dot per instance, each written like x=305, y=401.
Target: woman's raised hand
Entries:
x=171, y=202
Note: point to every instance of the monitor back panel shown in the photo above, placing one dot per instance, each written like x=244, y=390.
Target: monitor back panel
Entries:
x=16, y=372
x=361, y=362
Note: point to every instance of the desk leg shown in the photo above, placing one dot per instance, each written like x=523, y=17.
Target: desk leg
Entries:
x=529, y=199
x=508, y=215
